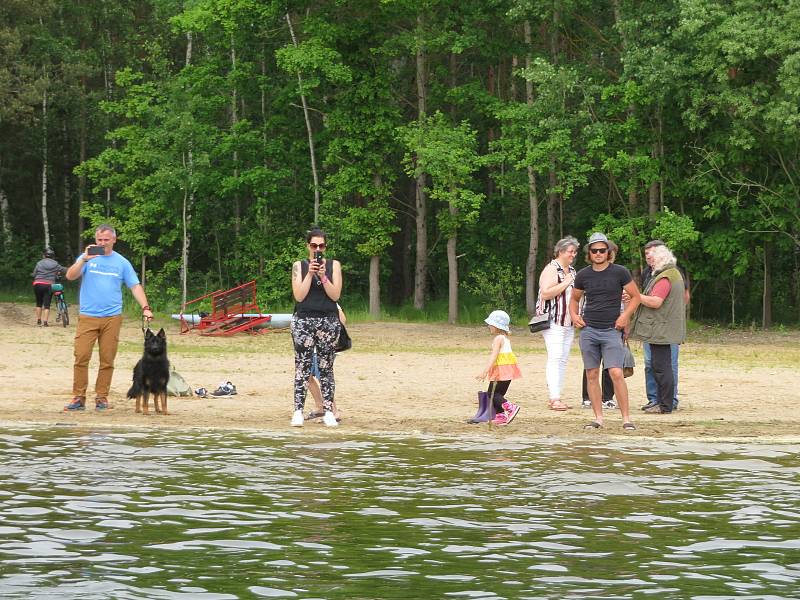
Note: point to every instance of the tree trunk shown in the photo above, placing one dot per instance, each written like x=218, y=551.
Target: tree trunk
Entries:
x=374, y=267
x=766, y=314
x=67, y=174
x=406, y=255
x=188, y=198
x=533, y=199
x=375, y=287
x=452, y=241
x=633, y=195
x=309, y=131
x=82, y=177
x=265, y=209
x=656, y=192
x=552, y=177
x=4, y=216
x=452, y=273
x=219, y=259
x=653, y=199
x=421, y=265
x=186, y=219
x=45, y=220
x=109, y=96
x=552, y=207
x=237, y=209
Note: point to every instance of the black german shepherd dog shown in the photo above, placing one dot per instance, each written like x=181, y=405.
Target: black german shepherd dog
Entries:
x=151, y=373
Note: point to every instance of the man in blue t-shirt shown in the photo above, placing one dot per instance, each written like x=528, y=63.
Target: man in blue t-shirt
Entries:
x=603, y=282
x=100, y=317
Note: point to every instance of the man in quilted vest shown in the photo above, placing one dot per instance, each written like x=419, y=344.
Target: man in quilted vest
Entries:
x=660, y=321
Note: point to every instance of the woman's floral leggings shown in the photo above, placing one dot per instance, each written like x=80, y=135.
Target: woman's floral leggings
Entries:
x=309, y=333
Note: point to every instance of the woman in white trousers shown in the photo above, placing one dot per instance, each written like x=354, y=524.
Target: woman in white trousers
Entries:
x=555, y=288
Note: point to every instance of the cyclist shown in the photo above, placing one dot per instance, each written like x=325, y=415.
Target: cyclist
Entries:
x=44, y=276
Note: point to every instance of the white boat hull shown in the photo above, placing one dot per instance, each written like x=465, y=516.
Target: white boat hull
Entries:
x=278, y=320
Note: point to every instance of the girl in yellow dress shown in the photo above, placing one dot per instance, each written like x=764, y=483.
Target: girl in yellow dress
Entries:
x=501, y=368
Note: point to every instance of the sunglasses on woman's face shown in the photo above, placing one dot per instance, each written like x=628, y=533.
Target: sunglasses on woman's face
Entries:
x=598, y=250
x=317, y=246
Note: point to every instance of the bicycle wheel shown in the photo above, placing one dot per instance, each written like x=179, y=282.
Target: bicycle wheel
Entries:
x=63, y=311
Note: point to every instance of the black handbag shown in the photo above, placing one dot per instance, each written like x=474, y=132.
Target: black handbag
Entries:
x=539, y=323
x=344, y=342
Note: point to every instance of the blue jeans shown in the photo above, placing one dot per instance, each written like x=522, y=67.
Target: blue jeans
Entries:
x=650, y=380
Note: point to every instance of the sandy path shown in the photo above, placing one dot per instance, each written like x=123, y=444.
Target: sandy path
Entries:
x=404, y=378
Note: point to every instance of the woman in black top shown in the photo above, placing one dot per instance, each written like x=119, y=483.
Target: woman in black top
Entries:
x=316, y=286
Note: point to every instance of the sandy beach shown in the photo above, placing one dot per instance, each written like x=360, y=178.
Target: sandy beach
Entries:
x=403, y=378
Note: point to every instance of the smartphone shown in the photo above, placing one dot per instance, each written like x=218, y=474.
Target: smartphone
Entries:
x=96, y=251
x=318, y=256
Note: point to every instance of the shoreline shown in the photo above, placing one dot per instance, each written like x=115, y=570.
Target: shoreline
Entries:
x=404, y=379
x=345, y=433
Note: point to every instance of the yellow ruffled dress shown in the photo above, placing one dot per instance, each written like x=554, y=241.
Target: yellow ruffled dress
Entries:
x=505, y=368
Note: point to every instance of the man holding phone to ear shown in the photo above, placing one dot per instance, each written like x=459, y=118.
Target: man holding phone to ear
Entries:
x=100, y=315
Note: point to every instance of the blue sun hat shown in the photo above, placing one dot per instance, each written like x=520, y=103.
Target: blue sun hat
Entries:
x=499, y=319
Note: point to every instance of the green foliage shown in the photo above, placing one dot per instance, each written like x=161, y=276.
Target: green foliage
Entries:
x=497, y=286
x=676, y=120
x=632, y=233
x=448, y=154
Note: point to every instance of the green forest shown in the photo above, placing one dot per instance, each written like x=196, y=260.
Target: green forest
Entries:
x=444, y=146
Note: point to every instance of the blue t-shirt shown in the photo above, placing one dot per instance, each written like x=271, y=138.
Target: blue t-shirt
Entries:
x=101, y=289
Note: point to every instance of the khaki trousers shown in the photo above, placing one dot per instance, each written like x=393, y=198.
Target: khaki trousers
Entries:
x=104, y=331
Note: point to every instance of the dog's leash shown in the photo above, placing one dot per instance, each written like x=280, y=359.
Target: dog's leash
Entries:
x=145, y=325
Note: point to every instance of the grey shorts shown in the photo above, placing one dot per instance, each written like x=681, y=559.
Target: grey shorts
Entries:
x=602, y=343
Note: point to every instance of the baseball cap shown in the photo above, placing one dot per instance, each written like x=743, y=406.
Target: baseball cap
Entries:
x=597, y=237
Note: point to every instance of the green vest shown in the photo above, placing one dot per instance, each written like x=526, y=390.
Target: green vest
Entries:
x=666, y=324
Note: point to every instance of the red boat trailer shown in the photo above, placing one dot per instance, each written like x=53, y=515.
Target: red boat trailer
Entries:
x=228, y=312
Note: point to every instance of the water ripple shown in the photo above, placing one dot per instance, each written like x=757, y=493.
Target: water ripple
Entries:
x=217, y=515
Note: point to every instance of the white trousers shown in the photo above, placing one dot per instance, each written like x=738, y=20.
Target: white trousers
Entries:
x=558, y=340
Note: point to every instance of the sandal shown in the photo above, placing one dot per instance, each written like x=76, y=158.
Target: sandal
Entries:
x=315, y=414
x=593, y=425
x=557, y=404
x=628, y=426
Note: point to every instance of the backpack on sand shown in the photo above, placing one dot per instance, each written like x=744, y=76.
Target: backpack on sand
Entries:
x=177, y=386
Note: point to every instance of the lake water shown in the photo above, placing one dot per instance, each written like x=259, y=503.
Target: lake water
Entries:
x=220, y=514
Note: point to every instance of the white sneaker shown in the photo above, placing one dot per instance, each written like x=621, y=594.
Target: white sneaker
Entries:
x=297, y=419
x=329, y=419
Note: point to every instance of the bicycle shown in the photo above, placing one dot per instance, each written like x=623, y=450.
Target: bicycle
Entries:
x=62, y=308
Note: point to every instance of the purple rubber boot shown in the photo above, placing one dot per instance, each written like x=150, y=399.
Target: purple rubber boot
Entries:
x=485, y=409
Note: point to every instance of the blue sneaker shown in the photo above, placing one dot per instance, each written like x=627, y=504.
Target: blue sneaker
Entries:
x=78, y=403
x=100, y=404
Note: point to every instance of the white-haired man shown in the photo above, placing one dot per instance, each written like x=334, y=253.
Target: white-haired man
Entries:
x=649, y=378
x=660, y=321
